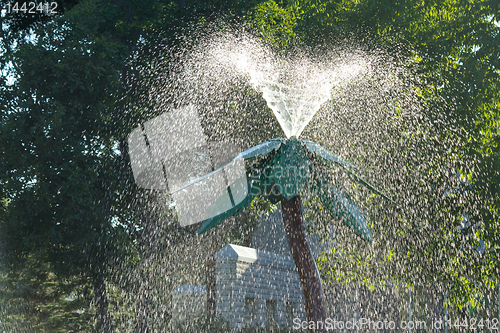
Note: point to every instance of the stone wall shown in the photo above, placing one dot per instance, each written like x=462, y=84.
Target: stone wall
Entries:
x=255, y=288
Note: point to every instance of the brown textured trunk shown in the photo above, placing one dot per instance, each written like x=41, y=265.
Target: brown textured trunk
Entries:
x=101, y=302
x=306, y=266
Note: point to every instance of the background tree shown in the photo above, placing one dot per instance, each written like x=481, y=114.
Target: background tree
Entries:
x=57, y=147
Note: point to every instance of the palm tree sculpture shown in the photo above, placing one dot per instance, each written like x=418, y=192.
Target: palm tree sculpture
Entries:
x=278, y=169
x=281, y=169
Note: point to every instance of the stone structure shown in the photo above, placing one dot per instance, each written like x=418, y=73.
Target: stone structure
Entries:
x=256, y=288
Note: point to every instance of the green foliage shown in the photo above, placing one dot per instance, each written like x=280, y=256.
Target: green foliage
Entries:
x=54, y=147
x=274, y=23
x=59, y=164
x=20, y=21
x=452, y=46
x=33, y=299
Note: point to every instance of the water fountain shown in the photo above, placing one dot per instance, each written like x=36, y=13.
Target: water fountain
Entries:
x=277, y=169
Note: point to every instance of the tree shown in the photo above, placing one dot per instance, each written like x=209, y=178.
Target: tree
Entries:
x=57, y=148
x=281, y=177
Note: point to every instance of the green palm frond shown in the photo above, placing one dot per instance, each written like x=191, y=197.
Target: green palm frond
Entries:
x=340, y=205
x=283, y=172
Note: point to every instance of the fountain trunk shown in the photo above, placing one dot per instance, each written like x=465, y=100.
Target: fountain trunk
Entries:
x=306, y=266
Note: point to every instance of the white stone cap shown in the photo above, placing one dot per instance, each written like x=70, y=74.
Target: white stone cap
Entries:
x=247, y=254
x=190, y=290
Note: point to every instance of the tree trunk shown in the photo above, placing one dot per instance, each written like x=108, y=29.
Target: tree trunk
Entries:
x=148, y=242
x=102, y=305
x=149, y=246
x=306, y=266
x=141, y=314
